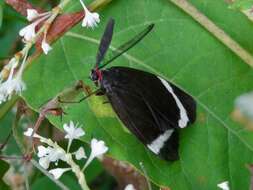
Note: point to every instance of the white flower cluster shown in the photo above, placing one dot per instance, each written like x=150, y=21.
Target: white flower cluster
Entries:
x=90, y=19
x=28, y=32
x=14, y=84
x=53, y=152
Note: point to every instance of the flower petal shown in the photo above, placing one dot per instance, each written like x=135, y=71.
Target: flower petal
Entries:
x=223, y=185
x=56, y=154
x=98, y=147
x=90, y=19
x=44, y=162
x=129, y=187
x=28, y=32
x=45, y=47
x=79, y=154
x=72, y=131
x=57, y=173
x=29, y=132
x=42, y=151
x=32, y=14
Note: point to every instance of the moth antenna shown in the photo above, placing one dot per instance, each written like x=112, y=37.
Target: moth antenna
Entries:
x=145, y=175
x=128, y=45
x=105, y=41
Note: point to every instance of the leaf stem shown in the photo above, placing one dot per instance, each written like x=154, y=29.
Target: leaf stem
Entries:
x=215, y=30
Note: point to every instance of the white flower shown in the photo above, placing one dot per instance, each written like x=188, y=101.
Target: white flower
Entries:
x=32, y=14
x=28, y=32
x=98, y=148
x=223, y=185
x=129, y=187
x=57, y=173
x=13, y=84
x=90, y=19
x=79, y=154
x=72, y=131
x=44, y=162
x=42, y=151
x=49, y=154
x=45, y=46
x=56, y=154
x=29, y=132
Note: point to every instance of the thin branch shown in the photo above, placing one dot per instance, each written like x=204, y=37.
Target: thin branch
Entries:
x=215, y=30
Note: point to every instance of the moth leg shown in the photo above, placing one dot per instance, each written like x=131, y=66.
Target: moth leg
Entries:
x=100, y=93
x=96, y=92
x=84, y=87
x=42, y=116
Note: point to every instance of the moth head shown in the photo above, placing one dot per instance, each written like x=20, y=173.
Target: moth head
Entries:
x=93, y=75
x=96, y=76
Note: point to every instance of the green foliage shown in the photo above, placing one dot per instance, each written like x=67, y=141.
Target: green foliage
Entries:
x=181, y=51
x=44, y=182
x=4, y=166
x=1, y=13
x=242, y=4
x=10, y=24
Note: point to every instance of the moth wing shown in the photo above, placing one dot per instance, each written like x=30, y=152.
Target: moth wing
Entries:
x=147, y=108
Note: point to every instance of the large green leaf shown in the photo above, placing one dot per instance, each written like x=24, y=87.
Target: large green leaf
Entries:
x=180, y=50
x=1, y=13
x=4, y=166
x=68, y=180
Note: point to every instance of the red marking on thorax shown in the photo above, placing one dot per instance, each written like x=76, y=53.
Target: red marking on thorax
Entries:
x=99, y=74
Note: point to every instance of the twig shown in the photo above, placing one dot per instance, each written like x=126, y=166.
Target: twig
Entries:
x=215, y=30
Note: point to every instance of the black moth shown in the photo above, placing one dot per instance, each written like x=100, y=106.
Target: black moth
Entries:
x=150, y=107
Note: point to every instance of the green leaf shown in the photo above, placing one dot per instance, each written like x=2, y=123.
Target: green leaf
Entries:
x=11, y=23
x=1, y=13
x=4, y=166
x=215, y=148
x=242, y=4
x=68, y=180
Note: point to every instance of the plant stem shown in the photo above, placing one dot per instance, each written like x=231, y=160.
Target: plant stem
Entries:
x=27, y=186
x=75, y=168
x=45, y=172
x=98, y=4
x=215, y=30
